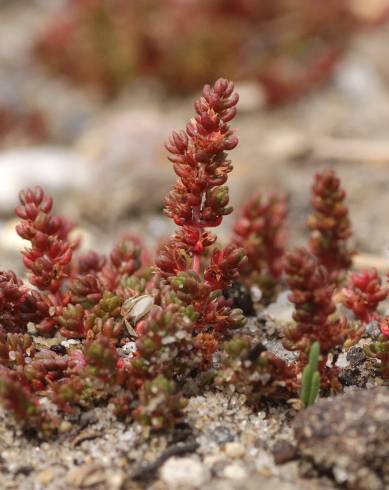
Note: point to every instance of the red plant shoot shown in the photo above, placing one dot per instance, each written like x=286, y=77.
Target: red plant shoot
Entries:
x=330, y=225
x=363, y=294
x=199, y=200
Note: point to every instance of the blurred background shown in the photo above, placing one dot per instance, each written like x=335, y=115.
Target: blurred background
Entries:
x=91, y=89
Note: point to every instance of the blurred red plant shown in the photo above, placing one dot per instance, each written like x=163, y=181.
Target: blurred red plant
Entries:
x=314, y=308
x=260, y=231
x=330, y=225
x=363, y=294
x=289, y=46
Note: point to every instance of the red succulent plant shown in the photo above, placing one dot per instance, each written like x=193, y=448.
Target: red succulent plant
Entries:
x=330, y=225
x=311, y=294
x=363, y=294
x=260, y=231
x=198, y=201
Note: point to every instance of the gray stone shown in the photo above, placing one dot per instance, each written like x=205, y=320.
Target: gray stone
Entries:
x=221, y=435
x=348, y=437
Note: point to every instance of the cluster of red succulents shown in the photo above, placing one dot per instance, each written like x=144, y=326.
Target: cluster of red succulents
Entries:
x=82, y=298
x=314, y=319
x=330, y=225
x=177, y=315
x=90, y=329
x=289, y=46
x=51, y=252
x=260, y=231
x=314, y=276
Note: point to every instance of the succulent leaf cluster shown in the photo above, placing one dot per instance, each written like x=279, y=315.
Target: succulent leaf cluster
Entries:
x=362, y=295
x=330, y=225
x=314, y=314
x=260, y=231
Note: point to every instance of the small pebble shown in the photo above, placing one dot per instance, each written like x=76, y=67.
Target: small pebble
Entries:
x=283, y=452
x=221, y=434
x=256, y=294
x=235, y=449
x=179, y=472
x=69, y=342
x=234, y=471
x=45, y=476
x=129, y=348
x=65, y=426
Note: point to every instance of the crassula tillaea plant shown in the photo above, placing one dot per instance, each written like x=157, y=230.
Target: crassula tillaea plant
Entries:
x=93, y=299
x=260, y=231
x=330, y=225
x=314, y=319
x=199, y=200
x=128, y=331
x=379, y=349
x=248, y=368
x=362, y=295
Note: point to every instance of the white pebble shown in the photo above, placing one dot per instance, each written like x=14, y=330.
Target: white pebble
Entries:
x=235, y=449
x=179, y=472
x=234, y=471
x=69, y=342
x=129, y=348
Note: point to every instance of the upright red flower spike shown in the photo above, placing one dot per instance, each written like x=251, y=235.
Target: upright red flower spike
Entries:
x=199, y=200
x=363, y=294
x=51, y=251
x=330, y=225
x=311, y=294
x=260, y=231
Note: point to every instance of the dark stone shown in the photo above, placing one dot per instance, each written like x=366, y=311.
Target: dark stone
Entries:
x=356, y=374
x=58, y=349
x=24, y=470
x=182, y=432
x=256, y=351
x=284, y=451
x=353, y=377
x=347, y=437
x=240, y=297
x=356, y=356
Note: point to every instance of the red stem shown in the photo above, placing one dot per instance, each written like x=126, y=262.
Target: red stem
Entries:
x=196, y=263
x=197, y=255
